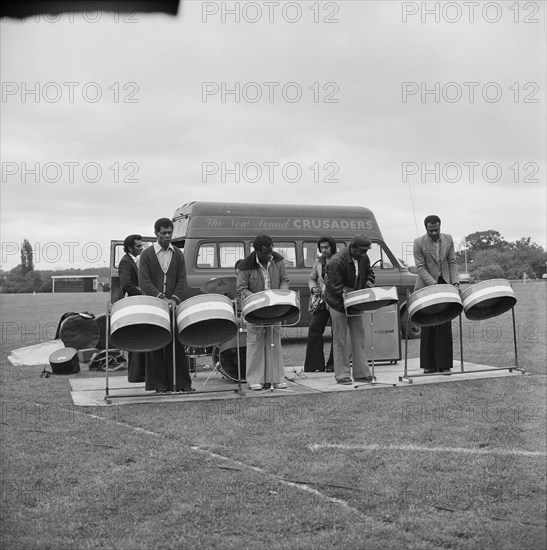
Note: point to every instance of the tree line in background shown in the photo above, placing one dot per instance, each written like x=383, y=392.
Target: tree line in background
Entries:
x=24, y=278
x=483, y=254
x=487, y=255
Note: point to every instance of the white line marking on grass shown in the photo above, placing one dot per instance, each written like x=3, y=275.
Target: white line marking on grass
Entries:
x=462, y=450
x=301, y=486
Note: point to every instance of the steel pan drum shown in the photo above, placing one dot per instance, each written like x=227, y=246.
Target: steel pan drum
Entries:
x=222, y=285
x=434, y=305
x=369, y=299
x=226, y=356
x=271, y=306
x=206, y=320
x=140, y=323
x=488, y=299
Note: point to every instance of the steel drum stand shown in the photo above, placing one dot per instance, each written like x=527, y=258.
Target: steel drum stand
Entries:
x=270, y=351
x=373, y=382
x=108, y=396
x=239, y=389
x=510, y=369
x=409, y=379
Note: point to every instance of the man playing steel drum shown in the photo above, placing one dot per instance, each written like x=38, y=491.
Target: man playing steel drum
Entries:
x=162, y=274
x=349, y=270
x=263, y=270
x=435, y=261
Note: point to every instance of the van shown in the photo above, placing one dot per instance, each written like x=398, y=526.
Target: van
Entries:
x=214, y=235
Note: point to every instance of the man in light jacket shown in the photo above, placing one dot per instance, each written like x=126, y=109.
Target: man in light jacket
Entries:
x=263, y=269
x=435, y=261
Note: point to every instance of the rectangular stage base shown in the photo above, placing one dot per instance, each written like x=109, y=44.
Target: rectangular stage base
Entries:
x=90, y=392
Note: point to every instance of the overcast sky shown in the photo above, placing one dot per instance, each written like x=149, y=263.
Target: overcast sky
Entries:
x=109, y=121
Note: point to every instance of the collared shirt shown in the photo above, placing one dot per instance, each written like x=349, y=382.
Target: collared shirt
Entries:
x=135, y=259
x=437, y=248
x=164, y=256
x=266, y=274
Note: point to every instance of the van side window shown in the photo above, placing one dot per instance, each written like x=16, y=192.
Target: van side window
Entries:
x=378, y=257
x=119, y=252
x=230, y=253
x=310, y=251
x=207, y=256
x=288, y=251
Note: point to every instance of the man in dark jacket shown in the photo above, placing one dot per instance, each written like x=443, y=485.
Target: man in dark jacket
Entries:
x=162, y=274
x=349, y=270
x=128, y=269
x=129, y=285
x=262, y=270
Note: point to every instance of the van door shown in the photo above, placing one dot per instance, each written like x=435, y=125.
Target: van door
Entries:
x=385, y=267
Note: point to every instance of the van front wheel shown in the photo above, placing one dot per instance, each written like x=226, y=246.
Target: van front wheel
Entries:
x=414, y=330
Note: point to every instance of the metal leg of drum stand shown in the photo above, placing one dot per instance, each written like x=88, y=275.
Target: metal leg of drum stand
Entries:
x=515, y=343
x=515, y=338
x=215, y=369
x=106, y=391
x=271, y=355
x=405, y=372
x=271, y=351
x=461, y=344
x=374, y=382
x=239, y=390
x=174, y=333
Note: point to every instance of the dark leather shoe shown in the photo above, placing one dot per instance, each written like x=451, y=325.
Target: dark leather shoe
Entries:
x=445, y=371
x=365, y=379
x=430, y=371
x=186, y=390
x=345, y=381
x=329, y=369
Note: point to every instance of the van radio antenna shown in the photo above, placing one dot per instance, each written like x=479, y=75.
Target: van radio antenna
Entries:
x=413, y=210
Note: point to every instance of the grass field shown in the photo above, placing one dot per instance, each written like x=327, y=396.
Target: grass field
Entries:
x=459, y=465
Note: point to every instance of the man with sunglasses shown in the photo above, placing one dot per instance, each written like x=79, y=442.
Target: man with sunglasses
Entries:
x=319, y=317
x=349, y=270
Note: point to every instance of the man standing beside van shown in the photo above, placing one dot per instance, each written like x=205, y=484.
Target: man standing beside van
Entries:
x=129, y=284
x=263, y=270
x=162, y=274
x=349, y=270
x=435, y=261
x=319, y=317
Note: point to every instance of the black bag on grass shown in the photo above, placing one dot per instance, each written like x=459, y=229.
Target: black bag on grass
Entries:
x=116, y=360
x=78, y=330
